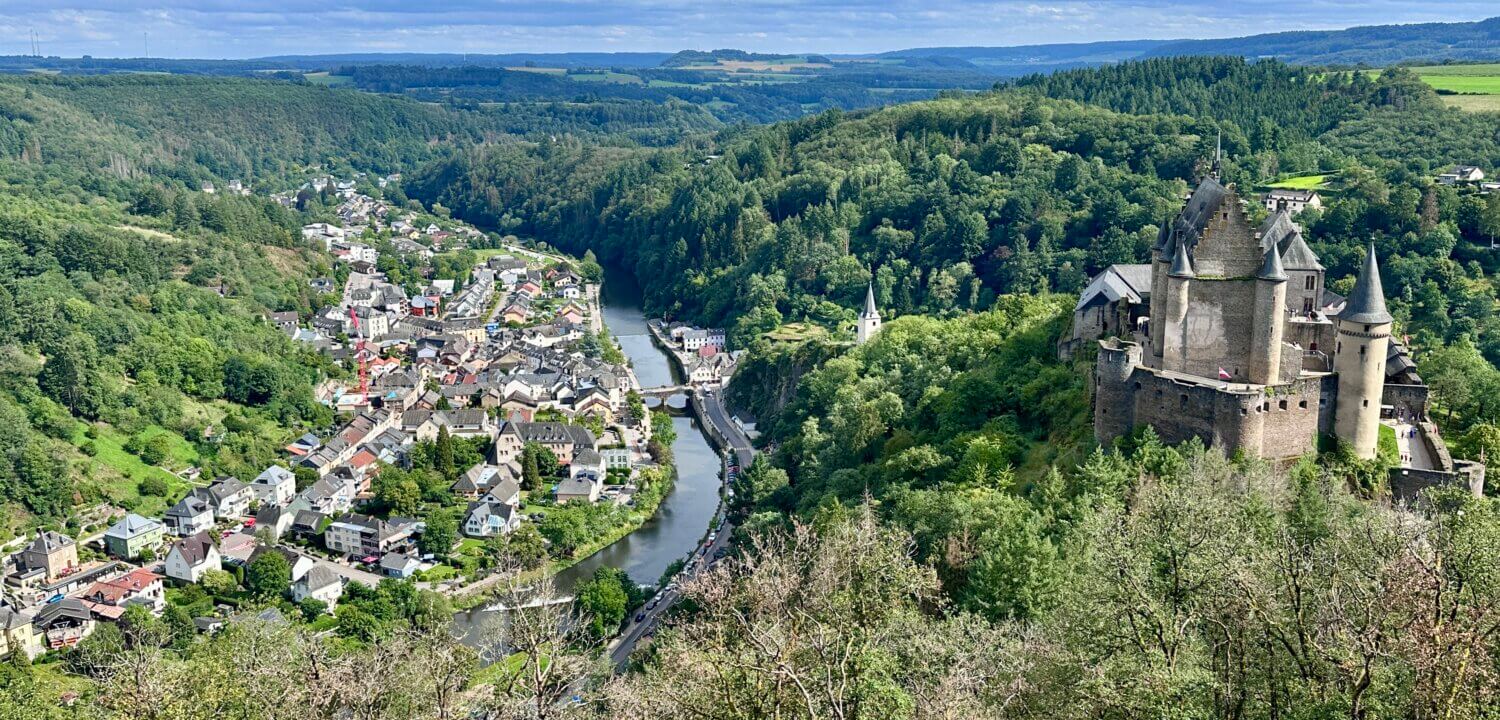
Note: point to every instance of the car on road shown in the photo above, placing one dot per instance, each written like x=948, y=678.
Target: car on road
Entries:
x=640, y=617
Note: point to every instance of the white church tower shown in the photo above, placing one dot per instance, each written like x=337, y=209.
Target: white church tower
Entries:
x=869, y=319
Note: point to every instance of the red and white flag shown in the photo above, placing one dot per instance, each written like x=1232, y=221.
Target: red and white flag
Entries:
x=1224, y=374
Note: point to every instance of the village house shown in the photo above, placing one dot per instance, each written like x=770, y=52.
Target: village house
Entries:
x=64, y=623
x=192, y=556
x=484, y=520
x=320, y=583
x=562, y=439
x=191, y=515
x=18, y=633
x=1461, y=174
x=132, y=535
x=53, y=553
x=362, y=535
x=274, y=520
x=583, y=487
x=484, y=478
x=286, y=322
x=275, y=485
x=1292, y=201
x=229, y=497
x=399, y=565
x=137, y=587
x=466, y=422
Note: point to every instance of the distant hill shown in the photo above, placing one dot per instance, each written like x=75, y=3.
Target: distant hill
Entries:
x=1371, y=45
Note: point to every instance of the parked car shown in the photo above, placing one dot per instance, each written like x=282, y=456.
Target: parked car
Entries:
x=640, y=617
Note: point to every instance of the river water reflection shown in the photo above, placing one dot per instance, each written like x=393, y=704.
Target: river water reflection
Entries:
x=683, y=518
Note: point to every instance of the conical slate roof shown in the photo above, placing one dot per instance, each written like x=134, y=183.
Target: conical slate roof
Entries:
x=1181, y=268
x=1367, y=303
x=1271, y=269
x=870, y=310
x=1299, y=256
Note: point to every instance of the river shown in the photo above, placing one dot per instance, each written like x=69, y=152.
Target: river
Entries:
x=682, y=521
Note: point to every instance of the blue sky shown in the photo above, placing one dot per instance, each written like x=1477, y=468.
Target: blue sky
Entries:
x=250, y=28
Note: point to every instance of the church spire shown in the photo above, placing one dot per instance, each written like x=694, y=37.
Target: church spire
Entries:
x=1367, y=302
x=870, y=310
x=1218, y=165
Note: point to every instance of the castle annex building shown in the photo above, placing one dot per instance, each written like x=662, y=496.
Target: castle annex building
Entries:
x=1229, y=335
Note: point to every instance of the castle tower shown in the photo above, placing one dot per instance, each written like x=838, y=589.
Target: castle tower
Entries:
x=1268, y=324
x=869, y=318
x=1174, y=341
x=1364, y=332
x=1161, y=257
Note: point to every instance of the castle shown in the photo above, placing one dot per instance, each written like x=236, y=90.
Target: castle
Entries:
x=1230, y=336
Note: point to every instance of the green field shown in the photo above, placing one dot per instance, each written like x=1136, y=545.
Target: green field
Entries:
x=323, y=78
x=1301, y=182
x=1477, y=87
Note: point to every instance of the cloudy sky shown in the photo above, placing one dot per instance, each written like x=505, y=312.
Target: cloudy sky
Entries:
x=250, y=28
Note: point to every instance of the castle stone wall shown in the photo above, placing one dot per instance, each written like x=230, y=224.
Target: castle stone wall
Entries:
x=1277, y=423
x=1218, y=327
x=1411, y=398
x=1228, y=247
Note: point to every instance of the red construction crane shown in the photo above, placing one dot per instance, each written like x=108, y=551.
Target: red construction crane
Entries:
x=360, y=358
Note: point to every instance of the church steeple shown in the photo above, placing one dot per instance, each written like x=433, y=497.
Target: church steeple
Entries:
x=869, y=318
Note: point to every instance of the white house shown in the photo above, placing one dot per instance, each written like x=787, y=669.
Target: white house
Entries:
x=230, y=497
x=190, y=557
x=191, y=515
x=320, y=583
x=587, y=461
x=616, y=458
x=275, y=485
x=490, y=519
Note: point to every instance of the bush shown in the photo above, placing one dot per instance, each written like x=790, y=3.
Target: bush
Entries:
x=154, y=487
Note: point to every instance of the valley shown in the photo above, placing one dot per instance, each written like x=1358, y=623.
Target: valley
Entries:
x=1130, y=378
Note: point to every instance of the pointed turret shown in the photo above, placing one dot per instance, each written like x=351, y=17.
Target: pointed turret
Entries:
x=1367, y=303
x=869, y=318
x=1181, y=267
x=1271, y=269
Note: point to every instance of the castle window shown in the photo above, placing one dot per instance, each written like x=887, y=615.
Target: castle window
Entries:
x=1184, y=398
x=1243, y=411
x=1138, y=386
x=1361, y=350
x=1281, y=405
x=1302, y=404
x=1339, y=347
x=1313, y=347
x=1311, y=280
x=1367, y=328
x=1364, y=403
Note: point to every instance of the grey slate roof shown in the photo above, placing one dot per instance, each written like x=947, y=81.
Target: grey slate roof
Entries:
x=870, y=310
x=49, y=541
x=1277, y=229
x=1181, y=268
x=1271, y=269
x=132, y=525
x=1132, y=282
x=1298, y=256
x=1367, y=302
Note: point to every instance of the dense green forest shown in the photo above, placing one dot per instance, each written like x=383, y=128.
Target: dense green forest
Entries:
x=729, y=97
x=955, y=201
